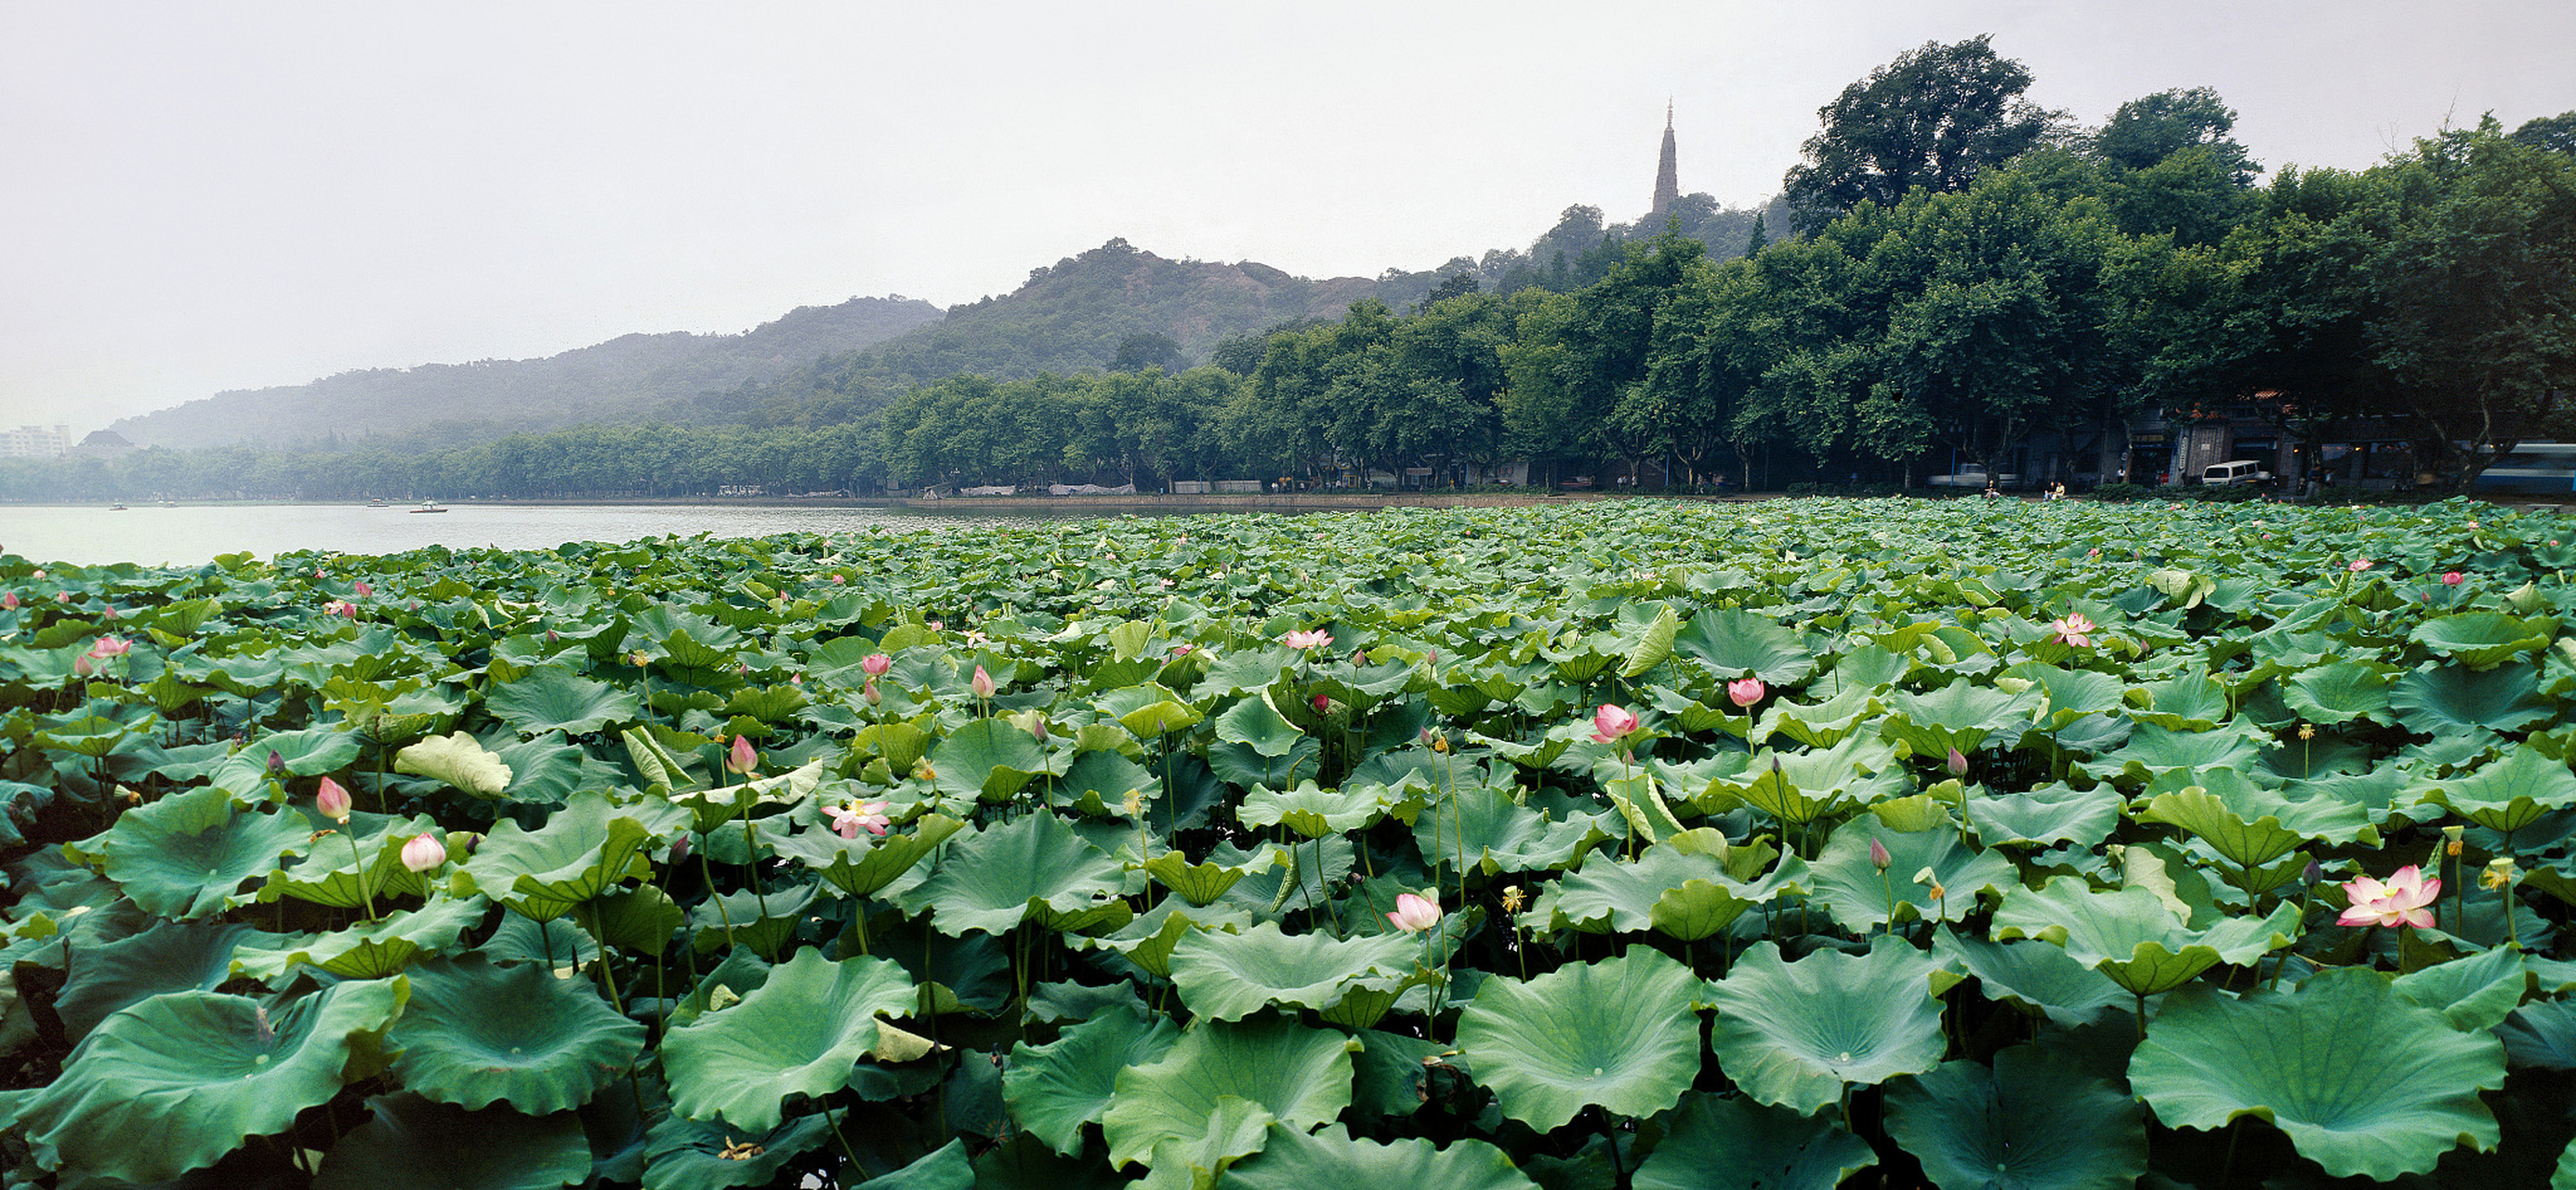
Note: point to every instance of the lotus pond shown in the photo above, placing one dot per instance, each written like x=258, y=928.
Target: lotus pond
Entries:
x=1627, y=844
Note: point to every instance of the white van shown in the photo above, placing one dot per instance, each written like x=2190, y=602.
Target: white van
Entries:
x=2219, y=475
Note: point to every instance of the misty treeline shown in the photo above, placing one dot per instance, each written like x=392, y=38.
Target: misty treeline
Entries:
x=1962, y=272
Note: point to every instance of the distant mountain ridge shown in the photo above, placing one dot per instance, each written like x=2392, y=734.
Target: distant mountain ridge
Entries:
x=629, y=378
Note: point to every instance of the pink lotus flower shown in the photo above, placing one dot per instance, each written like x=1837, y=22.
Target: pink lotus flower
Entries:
x=2358, y=565
x=875, y=665
x=109, y=646
x=849, y=820
x=9, y=601
x=1311, y=639
x=332, y=801
x=80, y=666
x=981, y=683
x=1322, y=704
x=2074, y=630
x=108, y=612
x=837, y=580
x=66, y=596
x=1878, y=857
x=1612, y=723
x=363, y=589
x=1958, y=763
x=425, y=851
x=743, y=758
x=2403, y=900
x=1745, y=692
x=2453, y=578
x=1414, y=914
x=1183, y=650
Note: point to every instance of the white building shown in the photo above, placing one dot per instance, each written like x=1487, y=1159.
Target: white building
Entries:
x=36, y=442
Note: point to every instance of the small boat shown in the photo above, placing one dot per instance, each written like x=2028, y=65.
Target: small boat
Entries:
x=378, y=502
x=430, y=506
x=116, y=508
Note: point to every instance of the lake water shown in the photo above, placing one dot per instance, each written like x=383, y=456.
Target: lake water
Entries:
x=191, y=535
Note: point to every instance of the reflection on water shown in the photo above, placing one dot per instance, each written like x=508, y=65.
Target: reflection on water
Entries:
x=190, y=535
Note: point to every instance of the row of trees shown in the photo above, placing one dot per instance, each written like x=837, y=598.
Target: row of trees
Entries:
x=1972, y=274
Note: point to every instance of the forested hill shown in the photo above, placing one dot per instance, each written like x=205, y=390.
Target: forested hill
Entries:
x=629, y=378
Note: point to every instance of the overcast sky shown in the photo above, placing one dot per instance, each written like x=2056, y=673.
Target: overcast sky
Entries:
x=198, y=197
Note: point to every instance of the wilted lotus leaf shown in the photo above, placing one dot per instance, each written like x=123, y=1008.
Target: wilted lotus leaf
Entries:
x=2364, y=1083
x=1795, y=1035
x=797, y=1033
x=200, y=1073
x=1622, y=1033
x=554, y=1047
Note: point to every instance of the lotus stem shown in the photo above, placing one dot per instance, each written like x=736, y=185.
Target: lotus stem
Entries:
x=363, y=895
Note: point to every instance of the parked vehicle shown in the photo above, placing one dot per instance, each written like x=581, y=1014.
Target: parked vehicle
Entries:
x=2229, y=474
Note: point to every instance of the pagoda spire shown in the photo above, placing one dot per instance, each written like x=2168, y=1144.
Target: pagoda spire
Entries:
x=1667, y=180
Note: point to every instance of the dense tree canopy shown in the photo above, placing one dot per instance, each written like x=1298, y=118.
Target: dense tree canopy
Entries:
x=1934, y=118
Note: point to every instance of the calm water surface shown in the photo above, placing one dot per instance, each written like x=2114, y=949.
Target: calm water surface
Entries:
x=190, y=535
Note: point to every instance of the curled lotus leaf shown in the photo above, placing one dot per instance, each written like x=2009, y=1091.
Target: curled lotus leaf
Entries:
x=2482, y=639
x=1293, y=1160
x=201, y=1072
x=1622, y=1034
x=863, y=865
x=366, y=949
x=1794, y=1035
x=2133, y=936
x=458, y=759
x=555, y=1047
x=2509, y=794
x=585, y=848
x=800, y=1032
x=1312, y=812
x=2365, y=1083
x=187, y=855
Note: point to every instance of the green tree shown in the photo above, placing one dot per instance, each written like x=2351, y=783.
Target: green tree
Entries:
x=1932, y=119
x=2146, y=131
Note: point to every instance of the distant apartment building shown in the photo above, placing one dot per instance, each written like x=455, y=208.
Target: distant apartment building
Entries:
x=36, y=442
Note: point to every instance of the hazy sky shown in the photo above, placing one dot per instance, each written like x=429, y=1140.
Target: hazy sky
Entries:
x=196, y=197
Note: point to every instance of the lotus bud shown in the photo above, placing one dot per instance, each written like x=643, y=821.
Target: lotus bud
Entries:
x=869, y=692
x=80, y=666
x=1359, y=657
x=9, y=601
x=332, y=801
x=1958, y=763
x=743, y=758
x=363, y=589
x=424, y=852
x=1322, y=704
x=553, y=636
x=679, y=849
x=981, y=684
x=1745, y=692
x=62, y=596
x=108, y=612
x=1878, y=857
x=276, y=763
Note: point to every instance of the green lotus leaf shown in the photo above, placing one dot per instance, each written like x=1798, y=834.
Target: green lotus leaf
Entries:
x=2187, y=702
x=800, y=1032
x=764, y=920
x=2437, y=699
x=2251, y=825
x=330, y=873
x=2474, y=994
x=1198, y=884
x=1104, y=778
x=171, y=956
x=1619, y=897
x=1299, y=1075
x=1256, y=723
x=458, y=759
x=1823, y=724
x=2034, y=1119
x=1734, y=643
x=555, y=1047
x=587, y=847
x=2483, y=639
x=2067, y=695
x=1861, y=895
x=1960, y=715
x=1737, y=1144
x=2152, y=749
x=863, y=865
x=1228, y=977
x=1056, y=1088
x=1033, y=867
x=2034, y=973
x=1148, y=710
x=1622, y=1034
x=1310, y=811
x=1235, y=1129
x=367, y=949
x=686, y=1154
x=946, y=1168
x=715, y=806
x=988, y=758
x=1292, y=1160
x=187, y=855
x=1148, y=939
x=2053, y=813
x=1795, y=1035
x=2364, y=1083
x=2133, y=937
x=179, y=1080
x=1800, y=787
x=1697, y=909
x=2339, y=693
x=413, y=1141
x=2542, y=1033
x=2509, y=794
x=552, y=698
x=308, y=753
